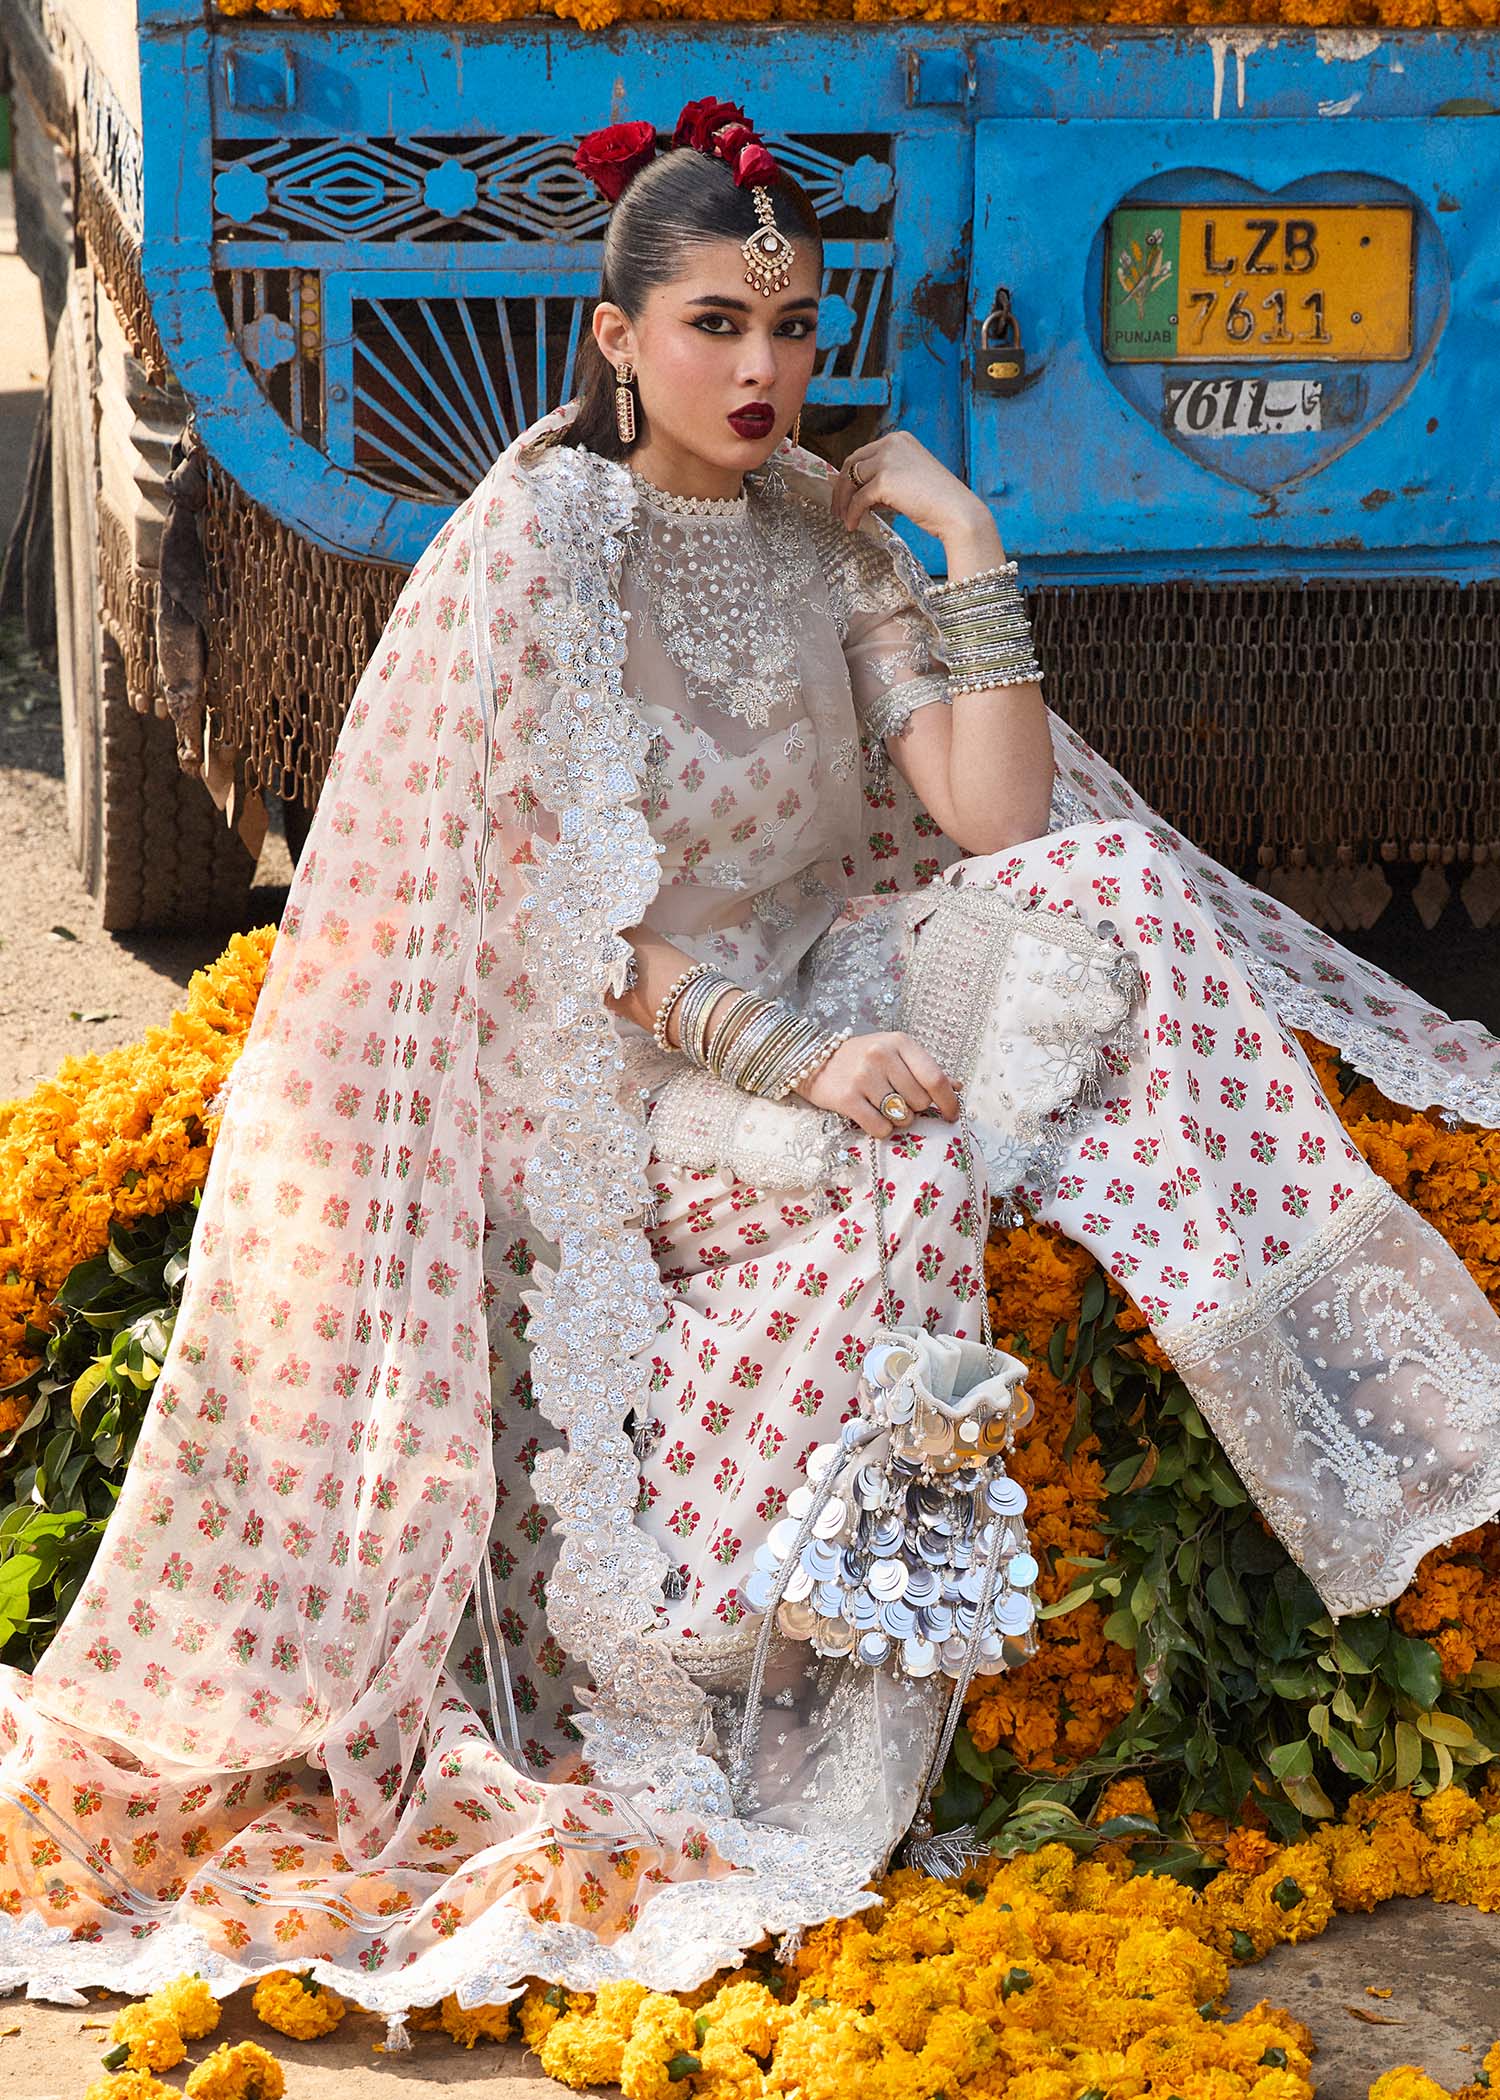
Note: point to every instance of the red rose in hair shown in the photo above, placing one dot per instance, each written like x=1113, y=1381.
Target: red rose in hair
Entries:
x=755, y=165
x=701, y=119
x=609, y=158
x=730, y=140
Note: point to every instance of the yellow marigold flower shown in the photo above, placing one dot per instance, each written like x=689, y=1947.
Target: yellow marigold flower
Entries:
x=583, y=2049
x=243, y=2071
x=1153, y=1962
x=662, y=2038
x=295, y=2005
x=617, y=2004
x=1407, y=2082
x=826, y=2053
x=129, y=2085
x=1043, y=2085
x=480, y=2023
x=956, y=2048
x=1247, y=1851
x=728, y=2073
x=1491, y=2063
x=189, y=2002
x=1270, y=2026
x=1282, y=2085
x=542, y=2007
x=1123, y=1797
x=1450, y=1812
x=745, y=2016
x=149, y=2038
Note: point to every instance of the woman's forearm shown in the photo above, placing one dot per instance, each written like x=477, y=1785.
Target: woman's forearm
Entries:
x=1000, y=765
x=658, y=966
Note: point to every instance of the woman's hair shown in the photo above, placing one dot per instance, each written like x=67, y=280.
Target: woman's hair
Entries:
x=681, y=200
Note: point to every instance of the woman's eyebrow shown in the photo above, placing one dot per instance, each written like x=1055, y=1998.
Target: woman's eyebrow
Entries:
x=743, y=306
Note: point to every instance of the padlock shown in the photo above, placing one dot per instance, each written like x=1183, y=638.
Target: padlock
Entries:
x=999, y=356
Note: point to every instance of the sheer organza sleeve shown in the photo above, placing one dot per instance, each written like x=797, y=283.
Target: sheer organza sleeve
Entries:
x=890, y=643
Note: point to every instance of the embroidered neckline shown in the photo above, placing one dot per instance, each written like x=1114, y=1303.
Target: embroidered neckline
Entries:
x=691, y=506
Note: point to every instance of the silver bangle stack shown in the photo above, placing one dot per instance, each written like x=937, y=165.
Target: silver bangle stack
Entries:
x=986, y=634
x=762, y=1046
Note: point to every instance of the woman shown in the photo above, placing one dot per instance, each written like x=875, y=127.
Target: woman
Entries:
x=419, y=1650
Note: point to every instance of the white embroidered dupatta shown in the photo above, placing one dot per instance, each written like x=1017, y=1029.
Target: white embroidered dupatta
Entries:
x=255, y=1742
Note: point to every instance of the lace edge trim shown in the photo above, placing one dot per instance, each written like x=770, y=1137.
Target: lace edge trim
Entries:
x=1398, y=1070
x=1411, y=1542
x=1193, y=1342
x=724, y=1919
x=583, y=505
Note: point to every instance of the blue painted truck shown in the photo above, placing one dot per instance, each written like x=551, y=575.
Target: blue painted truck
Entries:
x=1258, y=509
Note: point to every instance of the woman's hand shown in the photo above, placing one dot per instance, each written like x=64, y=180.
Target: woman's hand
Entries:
x=897, y=472
x=867, y=1067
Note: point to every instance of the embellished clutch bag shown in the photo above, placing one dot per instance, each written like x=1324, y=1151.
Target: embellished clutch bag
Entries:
x=1023, y=1008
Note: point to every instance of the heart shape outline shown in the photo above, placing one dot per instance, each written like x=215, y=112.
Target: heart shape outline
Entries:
x=1387, y=384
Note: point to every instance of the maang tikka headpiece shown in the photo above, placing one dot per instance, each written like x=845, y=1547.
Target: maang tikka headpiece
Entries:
x=610, y=158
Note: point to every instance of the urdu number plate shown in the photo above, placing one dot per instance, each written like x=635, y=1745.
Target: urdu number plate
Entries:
x=1208, y=282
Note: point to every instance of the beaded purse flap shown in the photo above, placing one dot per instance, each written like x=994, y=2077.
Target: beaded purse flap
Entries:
x=1028, y=1012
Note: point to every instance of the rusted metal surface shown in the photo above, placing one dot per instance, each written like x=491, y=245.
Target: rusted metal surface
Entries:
x=116, y=256
x=129, y=609
x=290, y=628
x=1326, y=728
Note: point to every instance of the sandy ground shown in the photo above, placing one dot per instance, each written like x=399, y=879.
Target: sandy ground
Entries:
x=66, y=987
x=1440, y=1962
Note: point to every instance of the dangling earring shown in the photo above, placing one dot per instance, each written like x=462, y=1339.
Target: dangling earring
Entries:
x=625, y=403
x=797, y=428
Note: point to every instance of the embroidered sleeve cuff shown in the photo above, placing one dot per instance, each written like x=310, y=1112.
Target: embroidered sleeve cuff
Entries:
x=889, y=715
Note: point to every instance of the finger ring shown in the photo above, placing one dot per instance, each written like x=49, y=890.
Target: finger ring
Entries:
x=855, y=476
x=894, y=1107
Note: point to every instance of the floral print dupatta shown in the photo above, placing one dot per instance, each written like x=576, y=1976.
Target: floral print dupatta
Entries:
x=257, y=1741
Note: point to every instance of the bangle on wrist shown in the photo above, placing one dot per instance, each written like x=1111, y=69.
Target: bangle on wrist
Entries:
x=985, y=631
x=673, y=993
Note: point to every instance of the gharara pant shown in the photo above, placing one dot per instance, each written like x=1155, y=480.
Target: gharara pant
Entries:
x=1337, y=1345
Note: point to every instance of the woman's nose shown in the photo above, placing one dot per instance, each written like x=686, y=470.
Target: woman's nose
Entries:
x=757, y=362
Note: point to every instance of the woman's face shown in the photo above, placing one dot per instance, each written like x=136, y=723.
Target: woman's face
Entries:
x=721, y=370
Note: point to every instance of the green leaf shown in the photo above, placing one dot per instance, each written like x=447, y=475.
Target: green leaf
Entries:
x=1416, y=1668
x=86, y=1386
x=1358, y=1763
x=1444, y=1728
x=1226, y=1598
x=17, y=1573
x=1063, y=1605
x=1308, y=1798
x=969, y=1759
x=682, y=2065
x=1291, y=1761
x=1013, y=1981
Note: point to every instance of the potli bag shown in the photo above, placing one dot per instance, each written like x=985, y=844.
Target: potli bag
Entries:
x=906, y=1548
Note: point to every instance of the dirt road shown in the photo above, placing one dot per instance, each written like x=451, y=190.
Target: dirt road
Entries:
x=65, y=986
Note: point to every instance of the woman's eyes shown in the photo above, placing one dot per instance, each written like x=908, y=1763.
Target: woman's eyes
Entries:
x=799, y=323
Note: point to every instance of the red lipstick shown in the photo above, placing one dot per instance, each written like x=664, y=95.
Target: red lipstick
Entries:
x=756, y=420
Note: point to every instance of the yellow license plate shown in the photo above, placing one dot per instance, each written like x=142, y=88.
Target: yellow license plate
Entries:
x=1214, y=281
